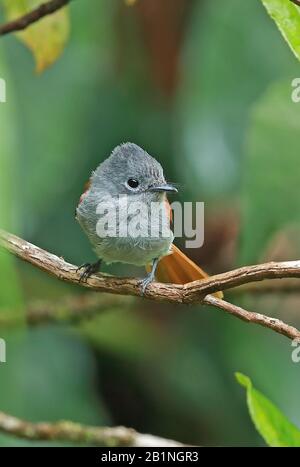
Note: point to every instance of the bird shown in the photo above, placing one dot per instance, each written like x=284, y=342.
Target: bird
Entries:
x=121, y=192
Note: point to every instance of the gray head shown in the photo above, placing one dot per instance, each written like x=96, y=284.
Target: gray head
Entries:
x=130, y=170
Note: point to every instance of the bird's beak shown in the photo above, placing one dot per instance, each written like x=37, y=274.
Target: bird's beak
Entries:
x=164, y=188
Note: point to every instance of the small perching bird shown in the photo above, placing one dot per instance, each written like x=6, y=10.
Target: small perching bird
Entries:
x=116, y=212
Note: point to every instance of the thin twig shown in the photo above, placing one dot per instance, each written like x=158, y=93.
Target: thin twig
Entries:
x=193, y=292
x=33, y=16
x=76, y=308
x=77, y=433
x=70, y=309
x=251, y=317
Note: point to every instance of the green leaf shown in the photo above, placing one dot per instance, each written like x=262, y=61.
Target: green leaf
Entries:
x=287, y=17
x=269, y=421
x=270, y=198
x=47, y=37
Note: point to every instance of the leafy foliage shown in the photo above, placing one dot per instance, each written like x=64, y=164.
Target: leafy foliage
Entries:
x=134, y=367
x=287, y=17
x=47, y=37
x=269, y=421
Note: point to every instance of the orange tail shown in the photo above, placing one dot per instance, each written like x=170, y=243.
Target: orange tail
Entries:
x=177, y=268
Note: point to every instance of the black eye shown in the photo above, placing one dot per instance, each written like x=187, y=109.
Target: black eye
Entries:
x=132, y=183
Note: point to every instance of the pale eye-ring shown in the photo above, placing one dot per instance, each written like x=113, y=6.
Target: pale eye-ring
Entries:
x=133, y=183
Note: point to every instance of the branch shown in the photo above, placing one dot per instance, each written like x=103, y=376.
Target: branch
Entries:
x=251, y=317
x=76, y=433
x=297, y=2
x=79, y=307
x=33, y=16
x=193, y=292
x=76, y=308
x=71, y=309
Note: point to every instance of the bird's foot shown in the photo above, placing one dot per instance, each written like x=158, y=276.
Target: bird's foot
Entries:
x=145, y=282
x=149, y=278
x=88, y=270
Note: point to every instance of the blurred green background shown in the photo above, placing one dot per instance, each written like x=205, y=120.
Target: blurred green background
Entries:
x=205, y=87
